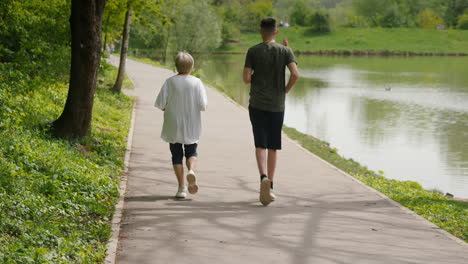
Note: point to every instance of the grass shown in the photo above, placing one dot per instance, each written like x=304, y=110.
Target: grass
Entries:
x=450, y=215
x=57, y=196
x=380, y=40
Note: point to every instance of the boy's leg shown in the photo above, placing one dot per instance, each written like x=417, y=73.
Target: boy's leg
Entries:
x=190, y=159
x=179, y=172
x=190, y=156
x=177, y=156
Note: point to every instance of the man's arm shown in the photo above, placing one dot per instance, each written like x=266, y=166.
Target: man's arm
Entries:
x=247, y=75
x=294, y=76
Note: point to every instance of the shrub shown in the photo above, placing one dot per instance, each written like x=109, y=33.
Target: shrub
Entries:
x=428, y=19
x=463, y=22
x=320, y=21
x=300, y=13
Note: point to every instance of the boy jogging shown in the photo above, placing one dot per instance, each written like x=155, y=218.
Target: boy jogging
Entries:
x=265, y=66
x=182, y=98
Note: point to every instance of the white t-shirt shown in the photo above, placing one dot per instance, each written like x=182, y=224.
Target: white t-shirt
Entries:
x=182, y=98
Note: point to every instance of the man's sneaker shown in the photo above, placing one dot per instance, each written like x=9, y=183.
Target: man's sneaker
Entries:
x=181, y=192
x=192, y=182
x=265, y=195
x=272, y=195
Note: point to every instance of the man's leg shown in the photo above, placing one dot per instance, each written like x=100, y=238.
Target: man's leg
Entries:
x=261, y=156
x=271, y=163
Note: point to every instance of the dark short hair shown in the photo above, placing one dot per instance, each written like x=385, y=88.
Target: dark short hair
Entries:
x=268, y=24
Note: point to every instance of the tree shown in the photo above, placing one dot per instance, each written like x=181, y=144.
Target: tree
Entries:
x=383, y=13
x=455, y=8
x=153, y=8
x=428, y=19
x=123, y=50
x=254, y=13
x=319, y=21
x=231, y=16
x=114, y=14
x=85, y=24
x=300, y=13
x=198, y=29
x=463, y=22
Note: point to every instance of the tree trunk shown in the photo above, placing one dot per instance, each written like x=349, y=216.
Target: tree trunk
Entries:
x=85, y=23
x=106, y=24
x=123, y=51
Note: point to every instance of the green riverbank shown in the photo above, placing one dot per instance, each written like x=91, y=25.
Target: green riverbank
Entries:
x=451, y=215
x=448, y=214
x=365, y=41
x=58, y=196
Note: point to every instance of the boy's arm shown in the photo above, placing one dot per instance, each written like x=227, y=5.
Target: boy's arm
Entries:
x=293, y=77
x=247, y=75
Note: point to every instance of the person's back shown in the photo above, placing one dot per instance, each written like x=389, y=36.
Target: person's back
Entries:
x=268, y=61
x=265, y=66
x=182, y=116
x=182, y=98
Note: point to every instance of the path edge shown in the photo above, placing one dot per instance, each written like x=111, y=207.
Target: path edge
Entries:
x=114, y=241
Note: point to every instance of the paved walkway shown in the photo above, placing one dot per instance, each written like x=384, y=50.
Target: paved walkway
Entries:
x=320, y=216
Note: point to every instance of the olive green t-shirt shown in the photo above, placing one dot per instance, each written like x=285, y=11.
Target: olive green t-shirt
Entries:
x=268, y=60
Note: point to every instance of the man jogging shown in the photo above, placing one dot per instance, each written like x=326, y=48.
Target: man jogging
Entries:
x=265, y=69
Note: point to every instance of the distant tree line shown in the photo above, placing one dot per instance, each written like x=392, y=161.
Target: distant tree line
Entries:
x=377, y=13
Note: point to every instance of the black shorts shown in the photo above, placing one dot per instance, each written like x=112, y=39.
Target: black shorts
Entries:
x=178, y=153
x=266, y=128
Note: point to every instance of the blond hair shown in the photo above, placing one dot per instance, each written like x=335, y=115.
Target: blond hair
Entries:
x=184, y=62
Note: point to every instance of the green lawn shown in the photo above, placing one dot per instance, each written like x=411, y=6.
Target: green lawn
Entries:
x=399, y=40
x=57, y=196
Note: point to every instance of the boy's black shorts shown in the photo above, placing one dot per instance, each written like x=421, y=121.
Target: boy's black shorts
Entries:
x=266, y=128
x=178, y=153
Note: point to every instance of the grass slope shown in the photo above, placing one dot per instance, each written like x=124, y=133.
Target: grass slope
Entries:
x=450, y=215
x=57, y=196
x=396, y=40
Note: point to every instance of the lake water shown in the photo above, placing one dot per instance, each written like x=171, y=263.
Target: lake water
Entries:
x=407, y=117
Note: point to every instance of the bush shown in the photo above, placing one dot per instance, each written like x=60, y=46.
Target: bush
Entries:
x=300, y=13
x=391, y=18
x=357, y=22
x=320, y=22
x=428, y=19
x=463, y=22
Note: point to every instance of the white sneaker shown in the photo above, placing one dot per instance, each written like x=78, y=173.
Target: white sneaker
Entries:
x=192, y=182
x=265, y=194
x=181, y=192
x=272, y=195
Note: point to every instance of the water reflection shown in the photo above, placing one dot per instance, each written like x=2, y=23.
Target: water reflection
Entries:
x=405, y=116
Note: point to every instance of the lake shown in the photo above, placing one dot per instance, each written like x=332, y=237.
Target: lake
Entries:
x=405, y=116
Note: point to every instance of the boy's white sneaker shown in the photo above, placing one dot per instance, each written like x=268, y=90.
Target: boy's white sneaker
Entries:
x=192, y=182
x=265, y=194
x=181, y=192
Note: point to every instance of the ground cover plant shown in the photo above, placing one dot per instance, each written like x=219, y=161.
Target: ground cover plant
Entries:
x=448, y=214
x=57, y=196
